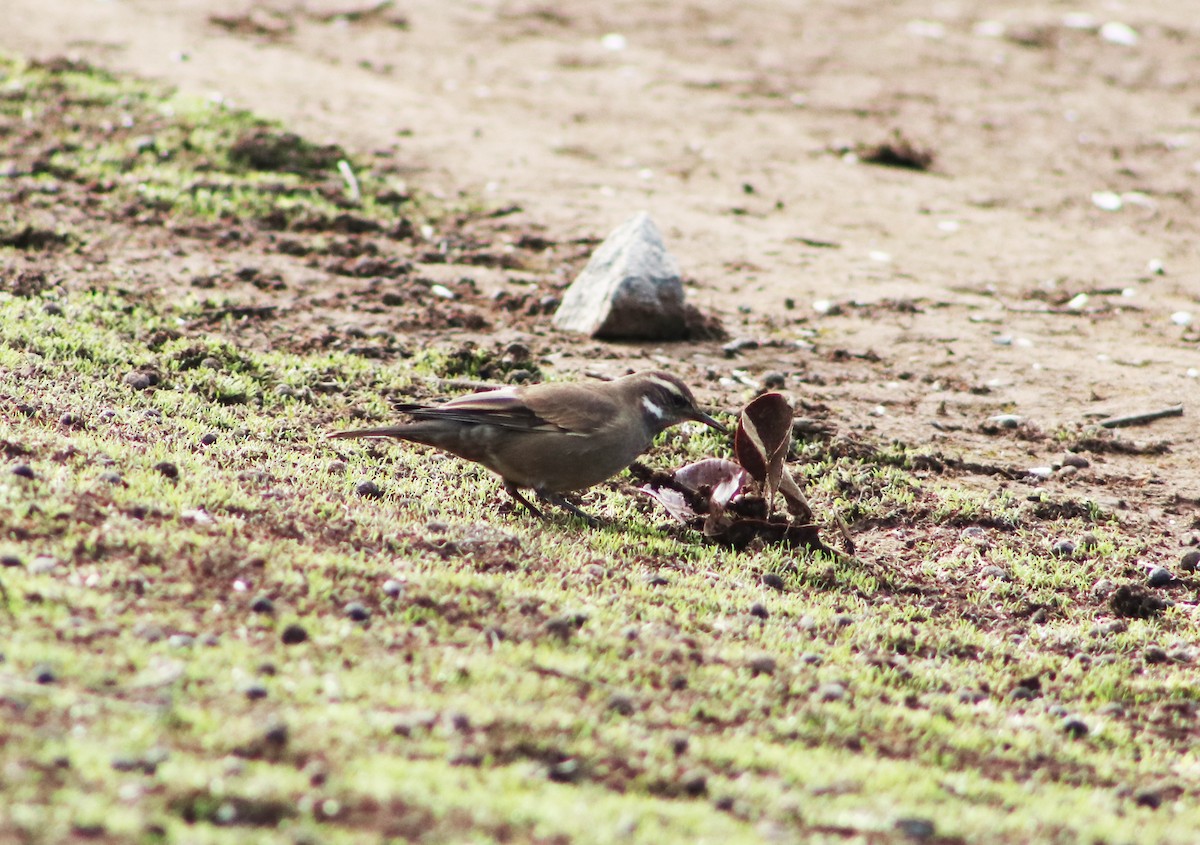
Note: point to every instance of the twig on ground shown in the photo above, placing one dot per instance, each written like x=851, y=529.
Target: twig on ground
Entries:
x=1142, y=419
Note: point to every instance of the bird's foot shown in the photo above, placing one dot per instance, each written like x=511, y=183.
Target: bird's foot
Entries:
x=511, y=489
x=569, y=507
x=552, y=499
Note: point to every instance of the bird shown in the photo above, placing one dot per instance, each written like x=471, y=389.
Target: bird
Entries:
x=553, y=437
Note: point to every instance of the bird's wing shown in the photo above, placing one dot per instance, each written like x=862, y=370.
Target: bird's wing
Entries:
x=575, y=410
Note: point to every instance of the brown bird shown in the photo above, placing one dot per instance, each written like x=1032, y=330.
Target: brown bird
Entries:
x=552, y=438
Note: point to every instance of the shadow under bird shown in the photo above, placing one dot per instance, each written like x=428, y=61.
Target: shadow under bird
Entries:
x=551, y=438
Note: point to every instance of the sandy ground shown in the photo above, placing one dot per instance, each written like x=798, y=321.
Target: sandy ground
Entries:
x=1002, y=279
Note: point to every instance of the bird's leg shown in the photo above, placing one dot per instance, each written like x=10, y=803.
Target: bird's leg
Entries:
x=556, y=499
x=511, y=489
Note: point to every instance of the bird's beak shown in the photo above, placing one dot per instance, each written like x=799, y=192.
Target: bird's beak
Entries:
x=702, y=417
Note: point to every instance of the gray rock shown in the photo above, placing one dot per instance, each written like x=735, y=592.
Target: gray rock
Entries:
x=631, y=288
x=1159, y=577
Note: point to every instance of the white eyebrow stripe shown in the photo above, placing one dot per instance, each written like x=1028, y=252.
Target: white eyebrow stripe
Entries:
x=669, y=386
x=652, y=409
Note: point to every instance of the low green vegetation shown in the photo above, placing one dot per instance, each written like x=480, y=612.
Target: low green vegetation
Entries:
x=211, y=633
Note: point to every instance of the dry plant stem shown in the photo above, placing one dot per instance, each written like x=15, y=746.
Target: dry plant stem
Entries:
x=1142, y=419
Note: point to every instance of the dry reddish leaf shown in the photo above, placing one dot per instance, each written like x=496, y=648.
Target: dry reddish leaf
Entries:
x=763, y=436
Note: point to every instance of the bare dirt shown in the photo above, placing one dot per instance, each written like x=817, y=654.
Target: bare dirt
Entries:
x=899, y=303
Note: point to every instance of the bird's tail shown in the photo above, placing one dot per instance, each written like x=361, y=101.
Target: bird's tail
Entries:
x=400, y=432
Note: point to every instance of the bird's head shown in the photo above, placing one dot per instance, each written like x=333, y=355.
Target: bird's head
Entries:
x=664, y=401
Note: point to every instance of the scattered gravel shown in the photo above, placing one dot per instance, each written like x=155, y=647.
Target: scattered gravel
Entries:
x=23, y=471
x=1190, y=561
x=393, y=588
x=357, y=611
x=262, y=604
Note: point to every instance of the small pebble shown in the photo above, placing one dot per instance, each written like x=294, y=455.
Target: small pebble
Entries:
x=1190, y=561
x=974, y=534
x=1075, y=728
x=1063, y=547
x=622, y=704
x=831, y=692
x=149, y=631
x=181, y=640
x=1005, y=420
x=760, y=610
x=763, y=665
x=10, y=561
x=293, y=634
x=1072, y=460
x=168, y=469
x=368, y=489
x=695, y=785
x=811, y=658
x=996, y=572
x=262, y=604
x=208, y=439
x=255, y=691
x=1159, y=577
x=357, y=612
x=276, y=735
x=1151, y=798
x=843, y=620
x=71, y=420
x=1067, y=472
x=43, y=565
x=139, y=380
x=918, y=829
x=770, y=579
x=1103, y=587
x=23, y=471
x=739, y=345
x=1154, y=654
x=336, y=467
x=44, y=675
x=53, y=309
x=393, y=588
x=774, y=381
x=655, y=579
x=111, y=477
x=1040, y=472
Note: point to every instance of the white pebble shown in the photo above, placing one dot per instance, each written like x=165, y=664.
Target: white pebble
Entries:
x=614, y=41
x=1115, y=32
x=1107, y=200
